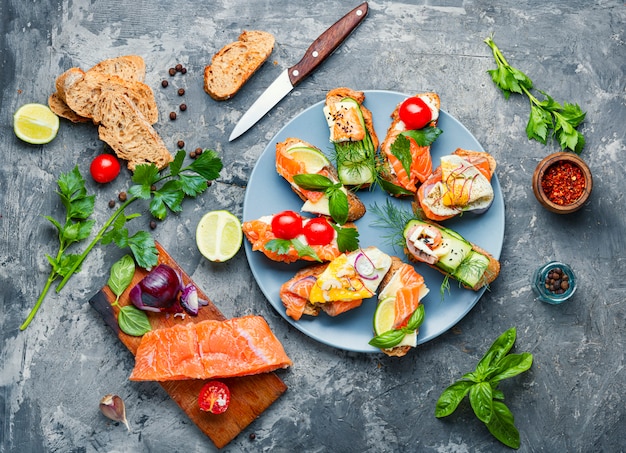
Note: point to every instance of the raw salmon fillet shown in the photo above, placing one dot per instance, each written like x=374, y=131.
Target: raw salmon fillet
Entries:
x=209, y=349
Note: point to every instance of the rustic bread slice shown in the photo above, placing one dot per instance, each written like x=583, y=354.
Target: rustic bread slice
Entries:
x=127, y=67
x=82, y=95
x=124, y=128
x=60, y=108
x=234, y=64
x=67, y=79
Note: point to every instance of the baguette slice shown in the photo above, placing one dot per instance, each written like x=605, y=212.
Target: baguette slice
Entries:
x=124, y=128
x=82, y=95
x=67, y=79
x=421, y=165
x=60, y=108
x=356, y=208
x=235, y=63
x=127, y=67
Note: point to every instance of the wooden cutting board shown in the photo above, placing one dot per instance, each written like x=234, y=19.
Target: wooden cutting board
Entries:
x=250, y=395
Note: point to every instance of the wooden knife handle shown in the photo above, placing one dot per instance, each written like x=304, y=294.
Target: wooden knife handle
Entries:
x=327, y=43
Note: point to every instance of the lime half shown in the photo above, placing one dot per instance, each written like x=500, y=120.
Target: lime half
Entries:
x=35, y=124
x=384, y=315
x=313, y=159
x=219, y=235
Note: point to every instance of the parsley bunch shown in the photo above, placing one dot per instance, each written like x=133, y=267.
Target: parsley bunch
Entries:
x=545, y=116
x=165, y=192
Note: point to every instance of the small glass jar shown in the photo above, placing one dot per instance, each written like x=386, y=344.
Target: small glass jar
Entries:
x=547, y=295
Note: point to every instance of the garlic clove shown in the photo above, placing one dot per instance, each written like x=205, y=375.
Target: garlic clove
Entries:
x=113, y=408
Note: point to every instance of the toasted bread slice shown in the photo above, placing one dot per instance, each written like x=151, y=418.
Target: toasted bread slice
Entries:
x=420, y=169
x=60, y=108
x=67, y=79
x=356, y=208
x=127, y=67
x=83, y=94
x=128, y=133
x=337, y=94
x=235, y=63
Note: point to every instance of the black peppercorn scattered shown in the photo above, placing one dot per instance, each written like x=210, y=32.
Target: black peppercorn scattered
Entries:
x=178, y=67
x=153, y=188
x=183, y=70
x=172, y=71
x=183, y=107
x=172, y=116
x=252, y=436
x=557, y=281
x=153, y=224
x=164, y=83
x=111, y=204
x=122, y=196
x=181, y=91
x=180, y=144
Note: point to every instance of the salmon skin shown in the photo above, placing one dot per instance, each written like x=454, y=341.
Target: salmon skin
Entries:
x=209, y=349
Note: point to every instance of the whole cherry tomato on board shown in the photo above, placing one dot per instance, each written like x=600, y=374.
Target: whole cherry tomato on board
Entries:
x=287, y=225
x=214, y=397
x=318, y=231
x=104, y=168
x=415, y=113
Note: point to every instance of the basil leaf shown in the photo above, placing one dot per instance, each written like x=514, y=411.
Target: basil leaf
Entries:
x=122, y=273
x=393, y=189
x=133, y=321
x=311, y=181
x=481, y=399
x=511, y=365
x=425, y=136
x=338, y=205
x=388, y=339
x=501, y=346
x=451, y=397
x=502, y=425
x=416, y=319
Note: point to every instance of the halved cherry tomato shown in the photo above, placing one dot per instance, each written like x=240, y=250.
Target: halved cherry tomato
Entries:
x=214, y=397
x=415, y=113
x=318, y=231
x=287, y=225
x=104, y=168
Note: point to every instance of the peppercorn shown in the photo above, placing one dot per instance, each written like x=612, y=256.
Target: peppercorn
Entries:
x=153, y=188
x=122, y=196
x=192, y=154
x=153, y=224
x=178, y=67
x=164, y=83
x=172, y=116
x=181, y=91
x=172, y=71
x=180, y=144
x=198, y=151
x=183, y=107
x=252, y=436
x=111, y=204
x=557, y=281
x=183, y=70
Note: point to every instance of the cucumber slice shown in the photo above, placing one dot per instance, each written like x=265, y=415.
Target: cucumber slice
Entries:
x=472, y=270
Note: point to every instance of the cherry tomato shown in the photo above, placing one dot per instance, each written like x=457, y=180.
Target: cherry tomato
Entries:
x=214, y=397
x=104, y=168
x=287, y=225
x=415, y=113
x=318, y=231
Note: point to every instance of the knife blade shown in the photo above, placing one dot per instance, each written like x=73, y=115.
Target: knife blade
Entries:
x=317, y=52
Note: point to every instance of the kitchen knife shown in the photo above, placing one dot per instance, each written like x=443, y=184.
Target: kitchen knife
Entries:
x=321, y=49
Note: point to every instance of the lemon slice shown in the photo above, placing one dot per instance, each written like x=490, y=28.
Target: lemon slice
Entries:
x=35, y=124
x=219, y=235
x=313, y=159
x=384, y=315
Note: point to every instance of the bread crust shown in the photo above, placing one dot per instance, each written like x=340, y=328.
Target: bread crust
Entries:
x=233, y=65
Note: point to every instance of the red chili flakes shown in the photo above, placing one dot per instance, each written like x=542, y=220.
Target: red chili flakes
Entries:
x=563, y=183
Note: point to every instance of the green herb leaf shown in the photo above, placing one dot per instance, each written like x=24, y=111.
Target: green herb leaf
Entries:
x=347, y=238
x=416, y=319
x=177, y=163
x=425, y=136
x=145, y=175
x=388, y=339
x=338, y=205
x=401, y=148
x=282, y=247
x=208, y=165
x=500, y=347
x=121, y=275
x=451, y=398
x=144, y=249
x=502, y=425
x=192, y=185
x=509, y=366
x=312, y=181
x=304, y=250
x=133, y=321
x=481, y=400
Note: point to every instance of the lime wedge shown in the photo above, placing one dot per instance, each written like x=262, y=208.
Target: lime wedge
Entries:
x=35, y=124
x=219, y=235
x=313, y=159
x=384, y=315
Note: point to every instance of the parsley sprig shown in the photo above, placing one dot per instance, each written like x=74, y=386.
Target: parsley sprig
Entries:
x=166, y=192
x=546, y=115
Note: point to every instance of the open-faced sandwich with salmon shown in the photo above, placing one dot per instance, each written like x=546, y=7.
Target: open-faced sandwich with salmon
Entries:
x=353, y=136
x=335, y=287
x=462, y=183
x=405, y=161
x=288, y=237
x=314, y=178
x=399, y=313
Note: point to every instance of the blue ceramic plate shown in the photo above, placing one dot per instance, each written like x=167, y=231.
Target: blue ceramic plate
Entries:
x=268, y=193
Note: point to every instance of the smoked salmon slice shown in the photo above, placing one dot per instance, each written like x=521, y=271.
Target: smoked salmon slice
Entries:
x=209, y=349
x=408, y=295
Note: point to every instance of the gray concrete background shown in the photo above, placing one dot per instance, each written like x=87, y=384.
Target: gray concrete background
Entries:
x=53, y=374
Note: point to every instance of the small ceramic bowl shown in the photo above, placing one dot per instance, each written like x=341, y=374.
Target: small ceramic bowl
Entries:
x=541, y=282
x=557, y=182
